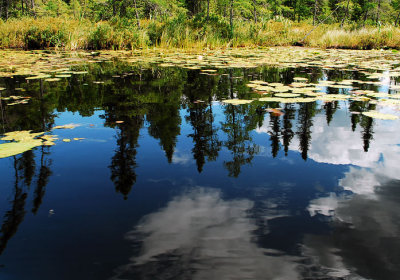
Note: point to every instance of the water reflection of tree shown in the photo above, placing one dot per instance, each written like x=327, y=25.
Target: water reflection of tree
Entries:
x=287, y=132
x=163, y=114
x=123, y=163
x=367, y=125
x=42, y=179
x=14, y=217
x=305, y=122
x=38, y=115
x=274, y=134
x=237, y=129
x=205, y=138
x=26, y=164
x=164, y=124
x=24, y=171
x=124, y=110
x=330, y=109
x=355, y=108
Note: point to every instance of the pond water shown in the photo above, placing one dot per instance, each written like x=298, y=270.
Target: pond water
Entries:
x=164, y=180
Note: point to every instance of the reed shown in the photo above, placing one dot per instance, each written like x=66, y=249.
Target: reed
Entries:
x=181, y=32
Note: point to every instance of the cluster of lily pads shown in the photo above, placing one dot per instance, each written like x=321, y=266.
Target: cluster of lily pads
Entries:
x=24, y=140
x=14, y=100
x=52, y=66
x=281, y=57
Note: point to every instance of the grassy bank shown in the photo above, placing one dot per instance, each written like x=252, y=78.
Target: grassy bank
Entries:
x=72, y=34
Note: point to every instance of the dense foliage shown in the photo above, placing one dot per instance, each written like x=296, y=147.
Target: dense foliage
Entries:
x=218, y=11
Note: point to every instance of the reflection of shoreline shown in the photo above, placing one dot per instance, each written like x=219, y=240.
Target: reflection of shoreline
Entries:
x=201, y=236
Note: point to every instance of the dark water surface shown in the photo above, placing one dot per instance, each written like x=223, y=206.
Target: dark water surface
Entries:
x=169, y=183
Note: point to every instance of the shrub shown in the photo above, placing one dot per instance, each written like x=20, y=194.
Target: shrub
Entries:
x=35, y=38
x=154, y=32
x=101, y=37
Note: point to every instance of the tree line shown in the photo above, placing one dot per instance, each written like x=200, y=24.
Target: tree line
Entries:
x=254, y=11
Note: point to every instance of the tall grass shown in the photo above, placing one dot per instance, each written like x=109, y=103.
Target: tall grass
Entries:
x=180, y=32
x=364, y=38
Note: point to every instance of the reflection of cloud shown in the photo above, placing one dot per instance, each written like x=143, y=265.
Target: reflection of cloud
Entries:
x=338, y=144
x=325, y=259
x=366, y=225
x=366, y=235
x=181, y=158
x=201, y=236
x=360, y=181
x=323, y=205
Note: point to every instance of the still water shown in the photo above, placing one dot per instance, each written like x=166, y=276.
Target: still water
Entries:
x=171, y=183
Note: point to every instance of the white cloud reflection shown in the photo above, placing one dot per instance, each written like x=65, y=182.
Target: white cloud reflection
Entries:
x=338, y=144
x=366, y=233
x=208, y=237
x=323, y=205
x=182, y=158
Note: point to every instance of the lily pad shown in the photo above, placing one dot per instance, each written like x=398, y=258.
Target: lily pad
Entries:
x=287, y=94
x=21, y=136
x=378, y=115
x=300, y=79
x=15, y=148
x=53, y=80
x=38, y=77
x=66, y=126
x=237, y=101
x=270, y=99
x=378, y=94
